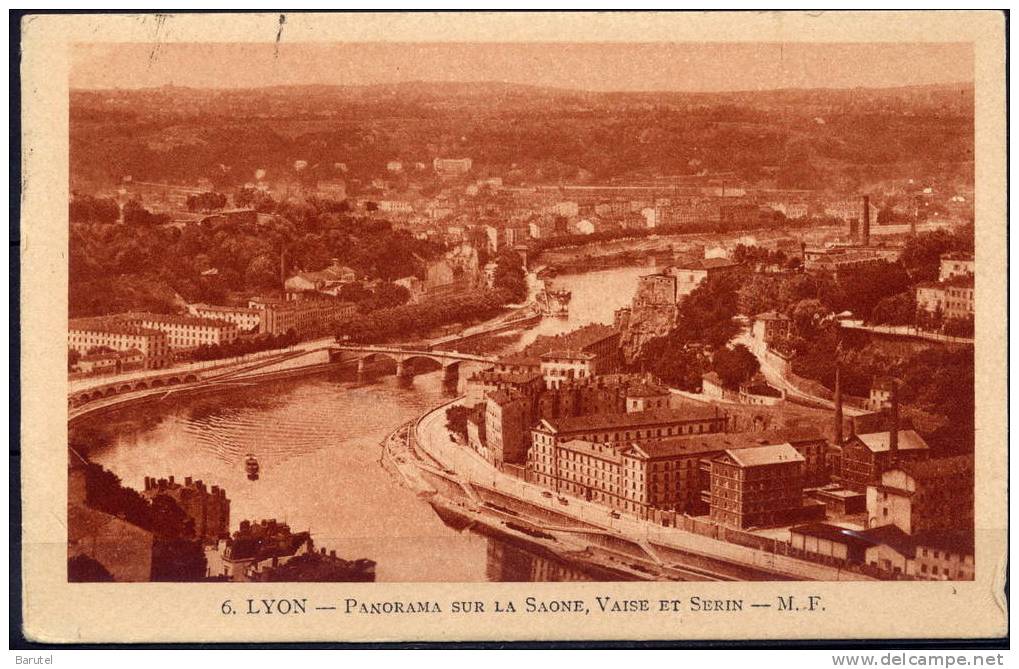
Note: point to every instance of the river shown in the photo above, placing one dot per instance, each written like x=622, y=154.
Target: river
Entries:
x=317, y=440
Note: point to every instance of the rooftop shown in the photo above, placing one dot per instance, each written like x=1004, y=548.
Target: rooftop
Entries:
x=954, y=541
x=959, y=466
x=695, y=444
x=177, y=319
x=765, y=455
x=893, y=537
x=878, y=442
x=602, y=451
x=109, y=326
x=608, y=421
x=833, y=533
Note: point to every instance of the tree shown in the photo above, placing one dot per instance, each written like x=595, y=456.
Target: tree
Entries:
x=88, y=209
x=456, y=420
x=861, y=288
x=921, y=256
x=509, y=275
x=807, y=316
x=735, y=365
x=207, y=201
x=896, y=310
x=677, y=363
x=262, y=272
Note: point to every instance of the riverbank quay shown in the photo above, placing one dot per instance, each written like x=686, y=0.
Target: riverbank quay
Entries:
x=666, y=545
x=464, y=506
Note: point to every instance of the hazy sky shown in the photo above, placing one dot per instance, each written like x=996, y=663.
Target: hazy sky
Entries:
x=588, y=66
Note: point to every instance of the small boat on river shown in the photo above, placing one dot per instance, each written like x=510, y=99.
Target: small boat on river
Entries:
x=251, y=466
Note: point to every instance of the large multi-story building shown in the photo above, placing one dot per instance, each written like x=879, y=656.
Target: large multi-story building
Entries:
x=756, y=487
x=628, y=427
x=185, y=332
x=245, y=318
x=507, y=415
x=87, y=334
x=956, y=264
x=950, y=299
x=585, y=453
x=692, y=273
x=305, y=317
x=935, y=494
x=866, y=457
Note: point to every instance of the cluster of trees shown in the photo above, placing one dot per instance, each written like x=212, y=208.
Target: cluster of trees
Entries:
x=510, y=276
x=244, y=346
x=115, y=268
x=937, y=392
x=412, y=319
x=87, y=209
x=880, y=292
x=753, y=255
x=704, y=327
x=456, y=420
x=208, y=201
x=177, y=553
x=384, y=295
x=735, y=365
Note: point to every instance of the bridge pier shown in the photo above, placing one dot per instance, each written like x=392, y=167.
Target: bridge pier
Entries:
x=404, y=372
x=360, y=371
x=451, y=376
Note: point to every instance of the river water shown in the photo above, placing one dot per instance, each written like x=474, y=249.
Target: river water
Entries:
x=317, y=440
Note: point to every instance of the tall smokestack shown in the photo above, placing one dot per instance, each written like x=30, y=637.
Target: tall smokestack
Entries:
x=866, y=220
x=838, y=404
x=893, y=432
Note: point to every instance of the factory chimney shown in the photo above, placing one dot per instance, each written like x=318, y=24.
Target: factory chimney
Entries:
x=866, y=220
x=838, y=404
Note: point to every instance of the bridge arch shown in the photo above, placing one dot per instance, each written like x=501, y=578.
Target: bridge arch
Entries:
x=375, y=356
x=190, y=378
x=412, y=361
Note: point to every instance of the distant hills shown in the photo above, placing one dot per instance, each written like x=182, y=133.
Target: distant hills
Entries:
x=809, y=138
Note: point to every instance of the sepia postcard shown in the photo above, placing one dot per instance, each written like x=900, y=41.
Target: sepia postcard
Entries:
x=513, y=327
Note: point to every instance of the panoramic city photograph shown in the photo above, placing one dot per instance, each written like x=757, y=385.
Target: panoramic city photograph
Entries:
x=518, y=312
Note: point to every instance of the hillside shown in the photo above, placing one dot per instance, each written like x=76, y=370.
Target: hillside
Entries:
x=821, y=138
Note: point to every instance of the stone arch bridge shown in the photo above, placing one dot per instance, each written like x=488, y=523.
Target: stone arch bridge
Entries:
x=404, y=358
